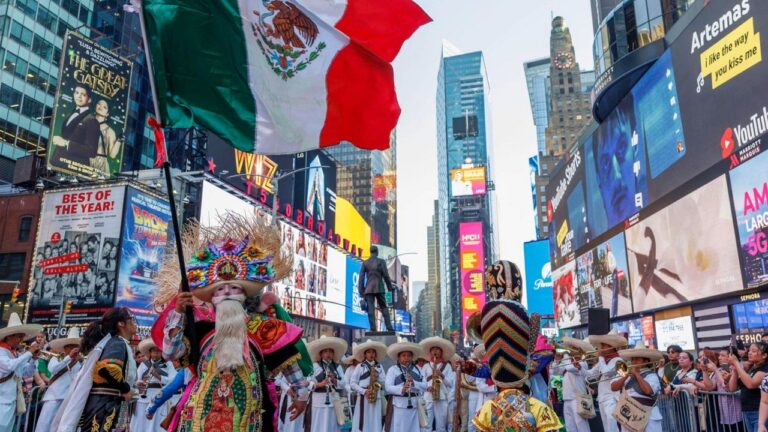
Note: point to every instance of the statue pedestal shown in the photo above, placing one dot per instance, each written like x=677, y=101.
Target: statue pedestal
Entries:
x=387, y=338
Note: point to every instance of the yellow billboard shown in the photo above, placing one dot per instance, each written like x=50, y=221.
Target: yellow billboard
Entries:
x=352, y=228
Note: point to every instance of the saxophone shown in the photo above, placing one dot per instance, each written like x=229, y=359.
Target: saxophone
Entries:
x=374, y=387
x=437, y=381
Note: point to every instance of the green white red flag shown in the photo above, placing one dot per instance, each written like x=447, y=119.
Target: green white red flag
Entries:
x=278, y=76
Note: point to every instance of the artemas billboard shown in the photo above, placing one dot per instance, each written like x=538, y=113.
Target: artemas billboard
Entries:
x=749, y=185
x=146, y=233
x=76, y=254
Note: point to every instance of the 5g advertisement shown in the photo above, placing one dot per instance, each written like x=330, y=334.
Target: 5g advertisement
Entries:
x=673, y=179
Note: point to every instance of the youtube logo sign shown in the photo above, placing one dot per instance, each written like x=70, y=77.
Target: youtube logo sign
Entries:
x=727, y=143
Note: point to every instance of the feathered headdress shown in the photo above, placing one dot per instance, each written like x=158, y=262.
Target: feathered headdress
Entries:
x=239, y=250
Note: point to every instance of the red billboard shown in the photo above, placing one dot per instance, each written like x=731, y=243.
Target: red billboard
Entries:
x=471, y=262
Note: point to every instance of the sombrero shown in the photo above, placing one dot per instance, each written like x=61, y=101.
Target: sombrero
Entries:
x=16, y=327
x=613, y=338
x=395, y=349
x=358, y=351
x=577, y=344
x=437, y=342
x=640, y=350
x=338, y=345
x=73, y=338
x=145, y=346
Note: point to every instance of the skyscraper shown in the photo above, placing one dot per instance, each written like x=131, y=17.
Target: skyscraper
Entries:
x=433, y=263
x=537, y=81
x=561, y=108
x=601, y=9
x=368, y=179
x=465, y=173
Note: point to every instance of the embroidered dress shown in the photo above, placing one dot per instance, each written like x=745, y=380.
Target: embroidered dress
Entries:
x=514, y=411
x=113, y=375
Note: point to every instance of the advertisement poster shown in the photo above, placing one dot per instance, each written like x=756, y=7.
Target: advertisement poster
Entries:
x=751, y=320
x=564, y=292
x=76, y=254
x=403, y=322
x=719, y=76
x=314, y=192
x=90, y=110
x=471, y=267
x=468, y=181
x=749, y=186
x=637, y=330
x=355, y=316
x=567, y=209
x=675, y=331
x=603, y=278
x=615, y=169
x=538, y=278
x=686, y=251
x=146, y=233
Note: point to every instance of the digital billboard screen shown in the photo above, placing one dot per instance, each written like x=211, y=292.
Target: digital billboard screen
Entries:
x=471, y=266
x=146, y=233
x=720, y=76
x=564, y=292
x=538, y=278
x=76, y=254
x=686, y=251
x=602, y=275
x=749, y=186
x=468, y=181
x=567, y=209
x=675, y=331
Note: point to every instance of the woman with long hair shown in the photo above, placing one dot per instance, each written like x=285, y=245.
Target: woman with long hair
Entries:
x=112, y=375
x=748, y=380
x=108, y=152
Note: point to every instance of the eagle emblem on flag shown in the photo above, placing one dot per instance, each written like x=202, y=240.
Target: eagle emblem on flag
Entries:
x=286, y=36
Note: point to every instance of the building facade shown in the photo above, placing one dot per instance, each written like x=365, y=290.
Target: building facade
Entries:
x=463, y=142
x=600, y=10
x=433, y=266
x=537, y=82
x=20, y=216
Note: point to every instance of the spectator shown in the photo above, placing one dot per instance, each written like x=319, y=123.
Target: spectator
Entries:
x=707, y=365
x=748, y=381
x=730, y=405
x=685, y=377
x=763, y=419
x=662, y=364
x=671, y=367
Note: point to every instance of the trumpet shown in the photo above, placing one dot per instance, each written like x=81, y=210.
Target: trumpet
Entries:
x=585, y=356
x=622, y=368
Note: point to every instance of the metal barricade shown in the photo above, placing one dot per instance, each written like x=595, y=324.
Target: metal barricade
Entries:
x=27, y=422
x=720, y=412
x=678, y=412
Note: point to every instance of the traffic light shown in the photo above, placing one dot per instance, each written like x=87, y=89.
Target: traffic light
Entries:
x=67, y=307
x=15, y=295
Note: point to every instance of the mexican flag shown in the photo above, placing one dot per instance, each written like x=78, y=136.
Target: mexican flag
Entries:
x=279, y=76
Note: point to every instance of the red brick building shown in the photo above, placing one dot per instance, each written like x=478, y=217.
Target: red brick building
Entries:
x=19, y=214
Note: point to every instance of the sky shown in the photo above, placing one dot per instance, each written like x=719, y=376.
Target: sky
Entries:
x=508, y=33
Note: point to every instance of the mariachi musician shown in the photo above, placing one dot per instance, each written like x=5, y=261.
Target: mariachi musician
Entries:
x=406, y=385
x=440, y=380
x=327, y=378
x=368, y=384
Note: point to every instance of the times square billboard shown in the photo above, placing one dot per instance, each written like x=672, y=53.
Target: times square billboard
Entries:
x=471, y=265
x=691, y=118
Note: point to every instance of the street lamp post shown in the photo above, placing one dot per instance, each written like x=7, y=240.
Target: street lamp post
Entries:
x=276, y=183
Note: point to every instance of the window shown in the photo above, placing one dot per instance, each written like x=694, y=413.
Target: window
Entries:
x=25, y=228
x=21, y=34
x=12, y=265
x=61, y=29
x=27, y=6
x=32, y=108
x=46, y=19
x=10, y=97
x=7, y=131
x=42, y=48
x=26, y=139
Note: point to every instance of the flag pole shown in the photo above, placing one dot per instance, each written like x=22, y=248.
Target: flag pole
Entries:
x=189, y=328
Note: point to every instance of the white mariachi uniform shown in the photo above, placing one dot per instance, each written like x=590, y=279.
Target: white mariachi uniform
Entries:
x=632, y=389
x=370, y=412
x=438, y=409
x=606, y=399
x=573, y=384
x=62, y=371
x=10, y=367
x=405, y=416
x=485, y=392
x=284, y=422
x=323, y=411
x=348, y=381
x=470, y=386
x=167, y=372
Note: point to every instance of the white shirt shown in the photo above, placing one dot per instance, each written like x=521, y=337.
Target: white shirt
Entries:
x=58, y=390
x=360, y=385
x=653, y=380
x=10, y=365
x=318, y=398
x=396, y=390
x=449, y=379
x=602, y=371
x=573, y=380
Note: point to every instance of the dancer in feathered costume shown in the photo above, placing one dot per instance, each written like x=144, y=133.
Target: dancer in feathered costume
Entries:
x=227, y=266
x=509, y=336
